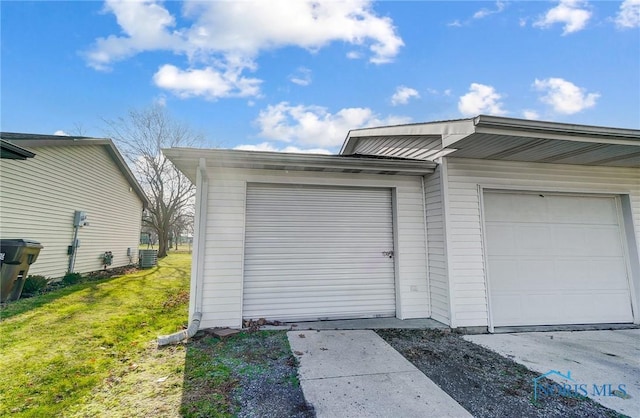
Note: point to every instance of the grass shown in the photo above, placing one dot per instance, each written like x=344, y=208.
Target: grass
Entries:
x=66, y=352
x=89, y=350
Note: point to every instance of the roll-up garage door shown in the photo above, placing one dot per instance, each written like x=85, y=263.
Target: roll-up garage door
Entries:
x=316, y=252
x=555, y=259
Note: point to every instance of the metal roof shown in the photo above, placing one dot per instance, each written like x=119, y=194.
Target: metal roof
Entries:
x=188, y=159
x=499, y=138
x=39, y=140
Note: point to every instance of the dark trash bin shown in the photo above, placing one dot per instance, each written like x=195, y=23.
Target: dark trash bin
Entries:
x=16, y=256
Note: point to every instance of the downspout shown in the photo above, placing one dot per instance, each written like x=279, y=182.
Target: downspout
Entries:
x=197, y=275
x=426, y=242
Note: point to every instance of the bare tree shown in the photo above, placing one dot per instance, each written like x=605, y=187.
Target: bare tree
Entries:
x=182, y=224
x=140, y=136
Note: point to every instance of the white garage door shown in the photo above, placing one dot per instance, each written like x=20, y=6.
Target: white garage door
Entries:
x=317, y=253
x=555, y=259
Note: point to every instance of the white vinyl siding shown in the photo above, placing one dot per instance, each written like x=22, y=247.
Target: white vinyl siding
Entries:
x=315, y=252
x=555, y=259
x=465, y=238
x=38, y=197
x=224, y=248
x=439, y=284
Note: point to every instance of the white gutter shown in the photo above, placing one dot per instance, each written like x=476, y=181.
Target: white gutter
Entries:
x=197, y=260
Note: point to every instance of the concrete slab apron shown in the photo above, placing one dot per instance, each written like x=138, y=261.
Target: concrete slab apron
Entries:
x=357, y=374
x=593, y=358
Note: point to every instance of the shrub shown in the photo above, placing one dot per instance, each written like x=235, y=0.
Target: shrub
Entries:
x=72, y=278
x=34, y=284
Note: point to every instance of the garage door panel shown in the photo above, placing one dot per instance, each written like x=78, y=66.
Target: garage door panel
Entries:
x=578, y=273
x=502, y=207
x=563, y=265
x=582, y=209
x=315, y=252
x=587, y=240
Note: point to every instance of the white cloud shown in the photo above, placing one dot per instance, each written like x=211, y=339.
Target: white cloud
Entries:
x=436, y=92
x=146, y=26
x=564, y=96
x=480, y=14
x=302, y=77
x=222, y=30
x=403, y=94
x=481, y=99
x=248, y=27
x=574, y=14
x=629, y=14
x=484, y=12
x=160, y=100
x=314, y=125
x=60, y=133
x=209, y=82
x=267, y=146
x=222, y=39
x=530, y=114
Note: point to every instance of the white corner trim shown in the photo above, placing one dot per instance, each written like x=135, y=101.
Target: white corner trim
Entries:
x=444, y=185
x=485, y=258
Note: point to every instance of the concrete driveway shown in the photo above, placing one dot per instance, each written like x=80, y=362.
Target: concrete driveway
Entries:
x=595, y=359
x=357, y=374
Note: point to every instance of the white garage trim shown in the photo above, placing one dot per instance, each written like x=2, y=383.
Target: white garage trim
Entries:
x=608, y=251
x=316, y=252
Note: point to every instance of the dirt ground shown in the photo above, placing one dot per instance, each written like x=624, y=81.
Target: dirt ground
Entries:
x=250, y=374
x=483, y=382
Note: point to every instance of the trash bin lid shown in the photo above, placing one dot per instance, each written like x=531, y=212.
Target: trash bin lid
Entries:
x=20, y=243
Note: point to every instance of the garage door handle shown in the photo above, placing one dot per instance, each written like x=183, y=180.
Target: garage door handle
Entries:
x=388, y=254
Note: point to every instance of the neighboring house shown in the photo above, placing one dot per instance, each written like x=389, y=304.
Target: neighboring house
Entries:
x=39, y=196
x=10, y=151
x=480, y=222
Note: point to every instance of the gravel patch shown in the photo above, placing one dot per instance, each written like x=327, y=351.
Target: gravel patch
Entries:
x=482, y=381
x=250, y=374
x=270, y=388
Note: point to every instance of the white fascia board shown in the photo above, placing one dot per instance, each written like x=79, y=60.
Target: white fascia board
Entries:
x=554, y=130
x=187, y=158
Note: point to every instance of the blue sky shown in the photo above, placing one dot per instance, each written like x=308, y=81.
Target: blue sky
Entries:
x=296, y=75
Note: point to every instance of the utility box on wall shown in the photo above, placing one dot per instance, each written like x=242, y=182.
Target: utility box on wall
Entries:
x=80, y=218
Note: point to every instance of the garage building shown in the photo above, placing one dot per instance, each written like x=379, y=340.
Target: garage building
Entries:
x=481, y=222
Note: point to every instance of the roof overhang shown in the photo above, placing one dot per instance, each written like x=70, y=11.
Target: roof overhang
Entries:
x=188, y=159
x=36, y=140
x=13, y=152
x=499, y=138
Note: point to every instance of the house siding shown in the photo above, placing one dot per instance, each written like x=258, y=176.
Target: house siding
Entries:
x=224, y=245
x=38, y=198
x=437, y=263
x=465, y=245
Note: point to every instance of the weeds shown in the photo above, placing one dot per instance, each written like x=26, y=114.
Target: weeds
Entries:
x=71, y=278
x=34, y=284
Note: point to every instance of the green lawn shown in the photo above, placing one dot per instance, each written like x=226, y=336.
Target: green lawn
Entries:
x=79, y=350
x=89, y=350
